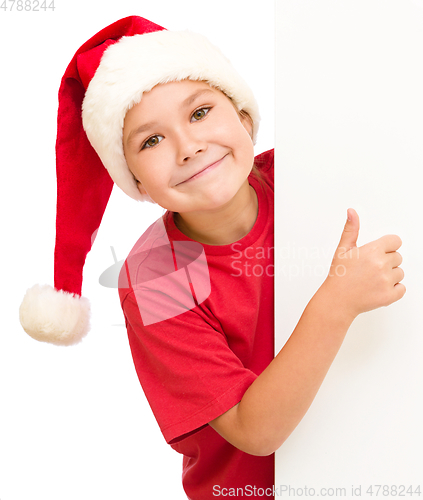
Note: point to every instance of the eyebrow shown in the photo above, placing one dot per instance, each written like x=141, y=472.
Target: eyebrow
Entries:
x=190, y=99
x=139, y=130
x=146, y=126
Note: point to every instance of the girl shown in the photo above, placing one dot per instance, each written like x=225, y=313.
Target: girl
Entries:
x=171, y=121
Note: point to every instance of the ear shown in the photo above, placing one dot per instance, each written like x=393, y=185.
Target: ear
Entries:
x=146, y=196
x=246, y=121
x=141, y=188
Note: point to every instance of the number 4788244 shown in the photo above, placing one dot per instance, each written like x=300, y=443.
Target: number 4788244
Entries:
x=27, y=5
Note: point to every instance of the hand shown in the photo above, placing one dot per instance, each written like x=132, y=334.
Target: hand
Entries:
x=367, y=277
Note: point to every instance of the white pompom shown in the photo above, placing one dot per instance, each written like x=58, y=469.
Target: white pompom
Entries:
x=54, y=316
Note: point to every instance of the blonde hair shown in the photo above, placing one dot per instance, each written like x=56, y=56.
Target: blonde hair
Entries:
x=254, y=171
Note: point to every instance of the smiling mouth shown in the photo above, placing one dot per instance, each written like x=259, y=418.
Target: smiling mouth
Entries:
x=204, y=171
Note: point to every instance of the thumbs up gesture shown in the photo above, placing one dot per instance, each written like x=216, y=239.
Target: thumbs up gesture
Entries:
x=367, y=277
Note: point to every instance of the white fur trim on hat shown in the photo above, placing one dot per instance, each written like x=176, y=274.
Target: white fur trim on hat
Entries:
x=54, y=316
x=136, y=64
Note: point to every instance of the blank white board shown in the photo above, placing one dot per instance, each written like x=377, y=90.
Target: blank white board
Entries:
x=349, y=122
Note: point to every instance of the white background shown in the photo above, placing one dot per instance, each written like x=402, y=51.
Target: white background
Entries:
x=74, y=422
x=350, y=134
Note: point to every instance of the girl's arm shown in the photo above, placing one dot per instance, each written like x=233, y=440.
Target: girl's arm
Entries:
x=361, y=279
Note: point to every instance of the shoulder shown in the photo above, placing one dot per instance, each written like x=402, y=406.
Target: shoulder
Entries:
x=265, y=161
x=264, y=173
x=150, y=259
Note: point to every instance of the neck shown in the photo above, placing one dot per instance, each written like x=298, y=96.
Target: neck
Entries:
x=225, y=225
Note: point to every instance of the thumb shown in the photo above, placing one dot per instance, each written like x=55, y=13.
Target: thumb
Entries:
x=350, y=233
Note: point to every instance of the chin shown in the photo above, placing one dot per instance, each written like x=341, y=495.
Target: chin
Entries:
x=221, y=198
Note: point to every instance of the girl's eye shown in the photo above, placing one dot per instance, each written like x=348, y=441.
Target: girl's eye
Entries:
x=152, y=141
x=199, y=114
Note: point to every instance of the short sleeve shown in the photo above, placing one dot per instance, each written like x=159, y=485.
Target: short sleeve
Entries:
x=186, y=368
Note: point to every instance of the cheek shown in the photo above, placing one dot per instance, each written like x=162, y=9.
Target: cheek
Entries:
x=146, y=170
x=152, y=184
x=245, y=147
x=233, y=133
x=155, y=178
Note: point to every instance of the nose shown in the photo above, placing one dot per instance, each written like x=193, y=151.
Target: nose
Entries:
x=189, y=144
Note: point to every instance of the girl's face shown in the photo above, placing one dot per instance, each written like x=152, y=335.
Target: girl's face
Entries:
x=188, y=146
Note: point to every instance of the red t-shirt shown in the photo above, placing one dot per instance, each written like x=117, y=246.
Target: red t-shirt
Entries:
x=200, y=322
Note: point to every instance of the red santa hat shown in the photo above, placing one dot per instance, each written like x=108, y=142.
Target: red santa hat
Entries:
x=106, y=77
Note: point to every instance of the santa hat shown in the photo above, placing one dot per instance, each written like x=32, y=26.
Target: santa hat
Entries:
x=106, y=77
